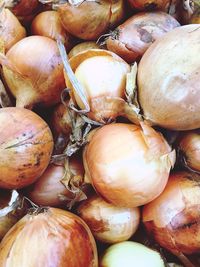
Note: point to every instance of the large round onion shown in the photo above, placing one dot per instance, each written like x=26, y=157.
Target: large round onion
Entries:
x=168, y=79
x=33, y=71
x=11, y=31
x=109, y=223
x=172, y=219
x=26, y=144
x=132, y=38
x=131, y=254
x=128, y=165
x=50, y=238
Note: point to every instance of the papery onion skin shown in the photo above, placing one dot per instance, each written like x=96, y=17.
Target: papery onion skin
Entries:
x=49, y=189
x=150, y=5
x=40, y=80
x=127, y=165
x=189, y=149
x=146, y=27
x=168, y=80
x=48, y=24
x=12, y=208
x=87, y=67
x=26, y=147
x=87, y=20
x=108, y=223
x=130, y=254
x=172, y=219
x=54, y=237
x=11, y=30
x=82, y=47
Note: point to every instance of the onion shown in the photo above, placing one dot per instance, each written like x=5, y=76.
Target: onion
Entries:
x=189, y=149
x=60, y=121
x=33, y=71
x=172, y=219
x=86, y=19
x=87, y=45
x=129, y=253
x=49, y=189
x=118, y=12
x=48, y=24
x=150, y=5
x=11, y=30
x=128, y=165
x=12, y=208
x=52, y=237
x=99, y=90
x=132, y=38
x=108, y=223
x=22, y=7
x=26, y=147
x=189, y=11
x=168, y=80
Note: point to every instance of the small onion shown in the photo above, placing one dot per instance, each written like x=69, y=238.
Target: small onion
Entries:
x=60, y=121
x=168, y=80
x=52, y=237
x=132, y=38
x=22, y=7
x=48, y=24
x=26, y=147
x=108, y=223
x=128, y=165
x=87, y=67
x=189, y=149
x=129, y=254
x=33, y=71
x=150, y=5
x=190, y=11
x=87, y=45
x=173, y=218
x=12, y=208
x=11, y=30
x=49, y=189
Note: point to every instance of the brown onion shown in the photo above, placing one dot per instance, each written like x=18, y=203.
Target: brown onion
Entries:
x=49, y=189
x=52, y=237
x=190, y=11
x=87, y=45
x=128, y=165
x=168, y=80
x=33, y=71
x=131, y=254
x=22, y=7
x=132, y=38
x=12, y=208
x=99, y=90
x=189, y=149
x=11, y=30
x=48, y=24
x=109, y=223
x=60, y=121
x=150, y=5
x=26, y=147
x=172, y=219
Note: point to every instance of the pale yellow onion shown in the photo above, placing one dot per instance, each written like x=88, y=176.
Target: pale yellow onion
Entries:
x=129, y=254
x=48, y=24
x=11, y=30
x=49, y=237
x=168, y=80
x=109, y=223
x=82, y=47
x=33, y=71
x=128, y=165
